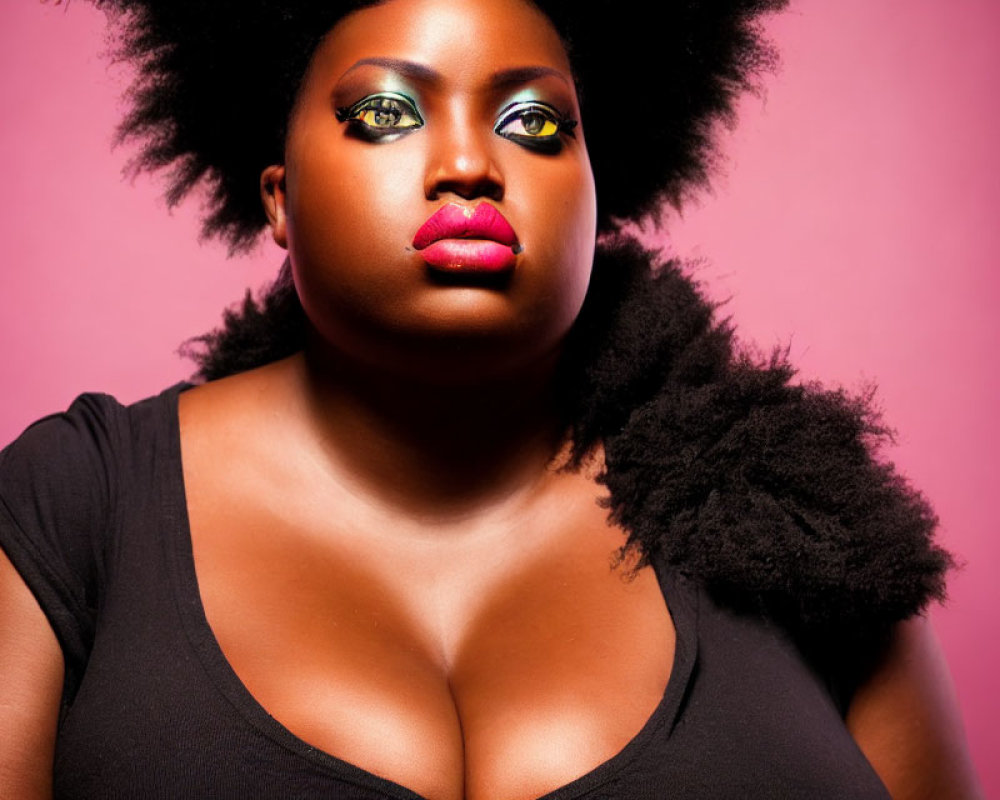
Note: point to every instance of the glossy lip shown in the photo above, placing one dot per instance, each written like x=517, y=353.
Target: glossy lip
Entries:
x=454, y=221
x=460, y=238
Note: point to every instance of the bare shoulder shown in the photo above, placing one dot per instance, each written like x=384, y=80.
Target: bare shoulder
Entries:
x=31, y=664
x=236, y=434
x=905, y=719
x=238, y=396
x=251, y=417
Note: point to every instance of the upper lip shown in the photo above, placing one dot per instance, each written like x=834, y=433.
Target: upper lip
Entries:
x=455, y=221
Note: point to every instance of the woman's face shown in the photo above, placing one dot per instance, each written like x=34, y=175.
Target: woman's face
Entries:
x=414, y=106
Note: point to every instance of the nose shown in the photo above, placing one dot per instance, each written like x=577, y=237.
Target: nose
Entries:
x=461, y=159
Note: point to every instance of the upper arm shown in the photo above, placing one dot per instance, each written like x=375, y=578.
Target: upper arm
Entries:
x=31, y=666
x=56, y=516
x=905, y=719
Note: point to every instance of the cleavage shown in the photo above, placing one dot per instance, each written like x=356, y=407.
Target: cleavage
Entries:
x=539, y=671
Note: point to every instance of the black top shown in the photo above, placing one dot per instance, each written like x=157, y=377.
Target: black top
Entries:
x=93, y=515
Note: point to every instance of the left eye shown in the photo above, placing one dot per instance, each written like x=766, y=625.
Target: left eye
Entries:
x=533, y=124
x=382, y=114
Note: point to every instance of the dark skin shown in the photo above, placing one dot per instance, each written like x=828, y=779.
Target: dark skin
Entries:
x=434, y=600
x=434, y=449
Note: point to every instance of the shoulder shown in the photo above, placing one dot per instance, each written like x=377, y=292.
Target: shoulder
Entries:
x=236, y=433
x=772, y=493
x=240, y=408
x=776, y=497
x=60, y=486
x=95, y=431
x=64, y=458
x=89, y=419
x=905, y=718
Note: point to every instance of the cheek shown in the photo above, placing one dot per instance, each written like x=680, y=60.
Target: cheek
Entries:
x=562, y=210
x=344, y=199
x=579, y=208
x=348, y=219
x=352, y=212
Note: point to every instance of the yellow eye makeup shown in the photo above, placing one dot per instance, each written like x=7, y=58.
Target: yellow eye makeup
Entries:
x=535, y=125
x=378, y=116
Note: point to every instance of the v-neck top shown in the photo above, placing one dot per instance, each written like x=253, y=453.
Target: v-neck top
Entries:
x=93, y=516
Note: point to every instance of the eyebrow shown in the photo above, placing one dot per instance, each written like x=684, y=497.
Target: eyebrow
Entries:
x=409, y=69
x=499, y=80
x=508, y=77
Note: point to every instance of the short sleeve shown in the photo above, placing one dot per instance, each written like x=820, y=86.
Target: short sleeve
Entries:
x=57, y=485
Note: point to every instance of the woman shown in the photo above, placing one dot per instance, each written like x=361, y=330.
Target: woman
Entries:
x=375, y=559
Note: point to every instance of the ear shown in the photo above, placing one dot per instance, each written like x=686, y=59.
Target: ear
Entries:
x=272, y=194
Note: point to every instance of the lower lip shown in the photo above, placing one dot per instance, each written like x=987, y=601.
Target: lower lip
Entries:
x=469, y=255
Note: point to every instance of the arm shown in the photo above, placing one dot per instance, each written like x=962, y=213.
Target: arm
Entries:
x=905, y=719
x=31, y=676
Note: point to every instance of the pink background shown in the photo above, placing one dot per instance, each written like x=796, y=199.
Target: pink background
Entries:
x=856, y=220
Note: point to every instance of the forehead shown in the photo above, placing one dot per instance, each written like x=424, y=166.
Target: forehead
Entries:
x=464, y=41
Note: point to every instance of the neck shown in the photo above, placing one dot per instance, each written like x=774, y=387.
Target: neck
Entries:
x=441, y=451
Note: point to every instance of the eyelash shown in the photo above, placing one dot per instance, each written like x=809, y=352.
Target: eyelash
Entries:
x=398, y=105
x=519, y=112
x=402, y=107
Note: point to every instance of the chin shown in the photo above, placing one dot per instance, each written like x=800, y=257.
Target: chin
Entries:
x=465, y=343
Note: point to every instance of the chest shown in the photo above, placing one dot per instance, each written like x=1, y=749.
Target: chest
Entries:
x=500, y=666
x=521, y=688
x=161, y=713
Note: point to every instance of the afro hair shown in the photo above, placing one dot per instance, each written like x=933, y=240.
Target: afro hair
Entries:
x=769, y=493
x=216, y=83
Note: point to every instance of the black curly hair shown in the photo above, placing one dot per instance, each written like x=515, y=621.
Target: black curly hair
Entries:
x=772, y=494
x=217, y=82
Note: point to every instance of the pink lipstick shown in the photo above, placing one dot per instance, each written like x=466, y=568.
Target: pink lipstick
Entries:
x=458, y=238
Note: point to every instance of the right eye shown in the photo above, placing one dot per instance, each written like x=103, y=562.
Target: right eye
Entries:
x=379, y=116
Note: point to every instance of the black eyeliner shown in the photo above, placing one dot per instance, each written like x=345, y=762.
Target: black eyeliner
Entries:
x=550, y=144
x=373, y=133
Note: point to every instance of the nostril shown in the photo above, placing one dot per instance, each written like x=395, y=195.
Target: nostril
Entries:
x=468, y=190
x=463, y=166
